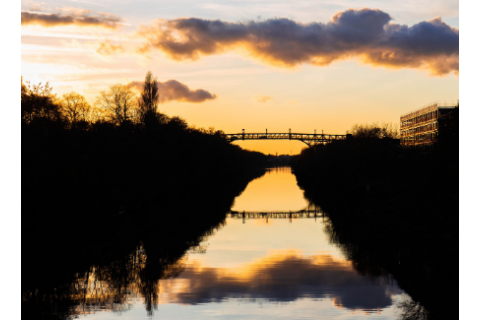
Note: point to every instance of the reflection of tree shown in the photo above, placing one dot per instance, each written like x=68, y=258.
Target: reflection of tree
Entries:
x=372, y=259
x=366, y=265
x=112, y=287
x=411, y=310
x=155, y=269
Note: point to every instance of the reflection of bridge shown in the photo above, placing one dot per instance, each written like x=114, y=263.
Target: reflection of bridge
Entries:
x=309, y=139
x=301, y=214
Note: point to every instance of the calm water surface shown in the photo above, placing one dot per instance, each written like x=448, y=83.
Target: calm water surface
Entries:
x=266, y=268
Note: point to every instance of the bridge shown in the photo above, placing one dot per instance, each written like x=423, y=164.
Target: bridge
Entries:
x=310, y=140
x=301, y=214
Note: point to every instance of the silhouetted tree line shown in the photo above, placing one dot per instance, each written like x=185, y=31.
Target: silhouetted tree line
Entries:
x=393, y=210
x=375, y=131
x=97, y=180
x=282, y=160
x=120, y=149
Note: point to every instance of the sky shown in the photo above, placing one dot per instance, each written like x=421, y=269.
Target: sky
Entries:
x=253, y=65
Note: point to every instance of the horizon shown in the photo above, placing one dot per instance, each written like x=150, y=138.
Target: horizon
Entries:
x=231, y=83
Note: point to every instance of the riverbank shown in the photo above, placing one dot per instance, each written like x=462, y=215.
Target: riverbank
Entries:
x=130, y=249
x=91, y=196
x=393, y=211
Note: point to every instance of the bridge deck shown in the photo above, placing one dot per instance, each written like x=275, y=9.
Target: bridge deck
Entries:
x=307, y=138
x=302, y=214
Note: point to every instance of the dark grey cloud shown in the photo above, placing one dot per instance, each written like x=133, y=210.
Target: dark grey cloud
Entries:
x=84, y=19
x=287, y=279
x=172, y=90
x=366, y=34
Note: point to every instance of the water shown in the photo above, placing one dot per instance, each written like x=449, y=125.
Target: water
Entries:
x=271, y=267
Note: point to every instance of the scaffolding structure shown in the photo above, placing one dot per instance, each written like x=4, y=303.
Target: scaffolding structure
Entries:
x=420, y=127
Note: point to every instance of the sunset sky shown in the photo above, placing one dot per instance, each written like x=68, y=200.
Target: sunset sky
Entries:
x=253, y=65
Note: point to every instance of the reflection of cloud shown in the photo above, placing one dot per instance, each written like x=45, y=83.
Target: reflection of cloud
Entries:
x=262, y=99
x=284, y=276
x=77, y=18
x=172, y=90
x=366, y=34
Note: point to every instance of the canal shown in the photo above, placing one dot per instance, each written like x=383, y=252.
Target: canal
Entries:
x=258, y=268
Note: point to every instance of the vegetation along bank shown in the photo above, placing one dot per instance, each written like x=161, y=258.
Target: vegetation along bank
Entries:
x=393, y=210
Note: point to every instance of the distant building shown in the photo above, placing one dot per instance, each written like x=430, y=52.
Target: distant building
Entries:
x=421, y=126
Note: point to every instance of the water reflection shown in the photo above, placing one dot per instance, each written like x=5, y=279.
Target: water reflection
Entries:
x=277, y=190
x=282, y=276
x=266, y=278
x=229, y=268
x=286, y=264
x=371, y=261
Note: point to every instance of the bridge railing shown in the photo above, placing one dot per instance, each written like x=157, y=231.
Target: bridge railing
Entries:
x=317, y=213
x=308, y=138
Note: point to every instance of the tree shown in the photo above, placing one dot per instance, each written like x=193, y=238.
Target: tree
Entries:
x=23, y=96
x=374, y=130
x=38, y=102
x=98, y=114
x=448, y=129
x=120, y=101
x=148, y=101
x=75, y=108
x=24, y=88
x=177, y=123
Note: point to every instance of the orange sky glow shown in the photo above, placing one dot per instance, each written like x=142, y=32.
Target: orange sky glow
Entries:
x=277, y=81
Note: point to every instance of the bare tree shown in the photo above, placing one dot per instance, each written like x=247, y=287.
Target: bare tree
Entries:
x=120, y=101
x=74, y=107
x=391, y=130
x=37, y=101
x=374, y=130
x=98, y=114
x=24, y=88
x=86, y=113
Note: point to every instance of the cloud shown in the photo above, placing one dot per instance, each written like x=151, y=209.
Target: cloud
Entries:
x=107, y=48
x=262, y=99
x=365, y=34
x=283, y=277
x=80, y=18
x=172, y=90
x=33, y=6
